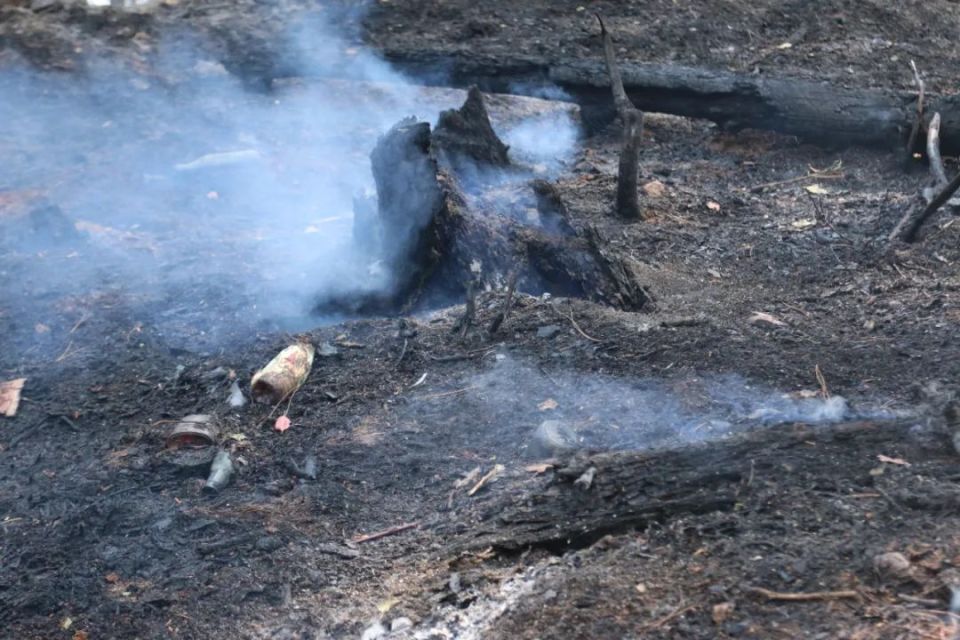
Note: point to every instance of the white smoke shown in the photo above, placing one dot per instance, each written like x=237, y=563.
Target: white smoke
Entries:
x=205, y=200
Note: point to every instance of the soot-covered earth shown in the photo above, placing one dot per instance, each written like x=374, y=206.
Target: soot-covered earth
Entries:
x=768, y=441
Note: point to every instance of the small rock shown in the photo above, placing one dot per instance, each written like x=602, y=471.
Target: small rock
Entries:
x=892, y=565
x=327, y=350
x=548, y=331
x=374, y=631
x=215, y=374
x=655, y=189
x=722, y=611
x=236, y=399
x=551, y=438
x=454, y=582
x=269, y=543
x=401, y=623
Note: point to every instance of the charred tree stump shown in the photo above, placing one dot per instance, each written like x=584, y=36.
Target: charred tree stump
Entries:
x=432, y=243
x=409, y=201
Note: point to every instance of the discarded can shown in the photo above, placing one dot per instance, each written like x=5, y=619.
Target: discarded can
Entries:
x=221, y=470
x=283, y=375
x=197, y=430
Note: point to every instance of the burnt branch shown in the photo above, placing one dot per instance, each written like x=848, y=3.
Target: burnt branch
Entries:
x=933, y=151
x=941, y=199
x=501, y=317
x=620, y=98
x=918, y=121
x=628, y=203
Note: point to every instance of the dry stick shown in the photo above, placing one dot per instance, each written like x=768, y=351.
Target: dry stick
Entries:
x=628, y=199
x=810, y=596
x=824, y=391
x=465, y=321
x=507, y=304
x=579, y=330
x=620, y=99
x=809, y=176
x=676, y=613
x=403, y=352
x=497, y=468
x=369, y=537
x=933, y=151
x=455, y=392
x=915, y=131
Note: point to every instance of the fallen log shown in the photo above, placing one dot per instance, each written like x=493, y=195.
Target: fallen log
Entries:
x=818, y=112
x=631, y=489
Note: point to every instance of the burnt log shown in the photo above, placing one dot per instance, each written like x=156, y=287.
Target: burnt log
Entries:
x=818, y=112
x=629, y=489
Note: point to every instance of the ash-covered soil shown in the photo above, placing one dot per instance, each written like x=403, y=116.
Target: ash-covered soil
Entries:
x=104, y=538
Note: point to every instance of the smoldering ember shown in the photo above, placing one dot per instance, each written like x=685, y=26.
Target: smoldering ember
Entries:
x=436, y=319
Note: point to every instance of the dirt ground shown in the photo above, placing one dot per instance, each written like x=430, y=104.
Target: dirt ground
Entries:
x=104, y=537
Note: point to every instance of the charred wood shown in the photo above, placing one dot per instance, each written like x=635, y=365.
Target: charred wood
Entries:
x=628, y=198
x=464, y=138
x=630, y=489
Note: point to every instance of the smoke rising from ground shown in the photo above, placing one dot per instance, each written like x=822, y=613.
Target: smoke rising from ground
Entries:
x=201, y=196
x=510, y=399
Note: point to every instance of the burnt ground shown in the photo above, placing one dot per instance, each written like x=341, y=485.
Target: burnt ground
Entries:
x=104, y=538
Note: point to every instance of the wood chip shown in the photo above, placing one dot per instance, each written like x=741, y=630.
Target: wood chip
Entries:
x=548, y=405
x=760, y=316
x=10, y=396
x=490, y=475
x=538, y=468
x=889, y=460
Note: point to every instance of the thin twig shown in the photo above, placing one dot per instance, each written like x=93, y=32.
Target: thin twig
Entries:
x=824, y=391
x=579, y=330
x=369, y=537
x=656, y=624
x=455, y=392
x=81, y=321
x=926, y=602
x=809, y=176
x=403, y=352
x=461, y=356
x=809, y=596
x=507, y=303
